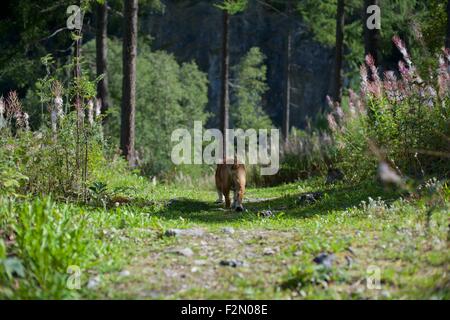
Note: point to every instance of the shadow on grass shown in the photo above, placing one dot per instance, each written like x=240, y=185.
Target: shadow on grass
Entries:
x=199, y=211
x=333, y=199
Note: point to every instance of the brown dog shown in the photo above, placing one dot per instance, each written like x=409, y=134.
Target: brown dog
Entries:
x=231, y=177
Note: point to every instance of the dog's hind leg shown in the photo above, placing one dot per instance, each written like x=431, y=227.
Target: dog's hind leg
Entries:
x=220, y=197
x=235, y=199
x=226, y=193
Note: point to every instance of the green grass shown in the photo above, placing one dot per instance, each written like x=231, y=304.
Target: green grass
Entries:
x=396, y=234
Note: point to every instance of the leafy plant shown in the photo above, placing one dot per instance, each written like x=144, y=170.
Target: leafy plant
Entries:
x=401, y=121
x=248, y=90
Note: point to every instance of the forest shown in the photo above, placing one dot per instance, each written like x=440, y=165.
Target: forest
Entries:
x=225, y=149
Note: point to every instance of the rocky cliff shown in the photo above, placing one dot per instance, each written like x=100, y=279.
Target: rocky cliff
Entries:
x=191, y=30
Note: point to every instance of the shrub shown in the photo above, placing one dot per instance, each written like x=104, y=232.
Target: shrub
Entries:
x=170, y=96
x=306, y=154
x=57, y=158
x=47, y=240
x=404, y=121
x=246, y=111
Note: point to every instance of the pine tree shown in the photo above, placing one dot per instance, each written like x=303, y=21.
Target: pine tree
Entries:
x=340, y=14
x=248, y=91
x=370, y=35
x=127, y=137
x=101, y=51
x=447, y=35
x=287, y=90
x=229, y=7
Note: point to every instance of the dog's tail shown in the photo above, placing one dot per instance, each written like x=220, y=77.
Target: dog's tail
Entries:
x=235, y=164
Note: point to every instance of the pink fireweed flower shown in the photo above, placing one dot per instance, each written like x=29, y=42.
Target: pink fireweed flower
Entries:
x=54, y=119
x=402, y=48
x=373, y=69
x=330, y=102
x=446, y=53
x=332, y=123
x=405, y=72
x=374, y=89
x=98, y=107
x=390, y=76
x=26, y=117
x=56, y=112
x=339, y=113
x=443, y=77
x=20, y=121
x=13, y=106
x=2, y=106
x=430, y=96
x=58, y=103
x=80, y=110
x=90, y=110
x=352, y=102
x=326, y=139
x=364, y=78
x=390, y=85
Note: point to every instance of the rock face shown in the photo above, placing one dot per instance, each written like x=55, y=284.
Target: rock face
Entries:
x=193, y=31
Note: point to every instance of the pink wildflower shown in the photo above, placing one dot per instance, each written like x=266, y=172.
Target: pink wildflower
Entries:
x=339, y=113
x=402, y=48
x=332, y=123
x=364, y=78
x=330, y=102
x=2, y=106
x=26, y=117
x=373, y=69
x=90, y=110
x=98, y=107
x=443, y=77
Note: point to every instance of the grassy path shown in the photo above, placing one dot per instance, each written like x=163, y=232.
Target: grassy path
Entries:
x=222, y=254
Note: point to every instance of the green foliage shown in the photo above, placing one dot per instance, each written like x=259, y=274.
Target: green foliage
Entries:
x=404, y=122
x=232, y=6
x=10, y=179
x=41, y=238
x=407, y=18
x=59, y=157
x=302, y=278
x=306, y=154
x=433, y=22
x=249, y=89
x=170, y=96
x=430, y=25
x=47, y=240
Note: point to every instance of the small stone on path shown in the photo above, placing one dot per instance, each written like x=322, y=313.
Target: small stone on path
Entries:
x=124, y=273
x=309, y=198
x=268, y=252
x=187, y=252
x=325, y=259
x=184, y=232
x=93, y=282
x=228, y=230
x=266, y=214
x=232, y=263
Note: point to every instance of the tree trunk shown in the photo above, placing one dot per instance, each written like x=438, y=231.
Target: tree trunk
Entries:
x=225, y=99
x=127, y=135
x=447, y=36
x=78, y=102
x=370, y=36
x=287, y=89
x=101, y=51
x=337, y=92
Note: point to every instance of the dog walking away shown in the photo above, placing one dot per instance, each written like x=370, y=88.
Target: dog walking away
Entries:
x=231, y=177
